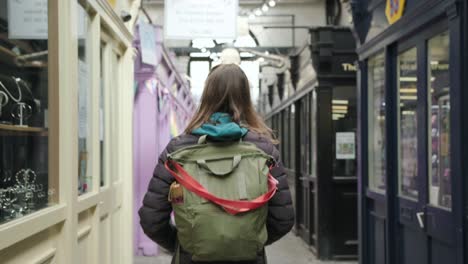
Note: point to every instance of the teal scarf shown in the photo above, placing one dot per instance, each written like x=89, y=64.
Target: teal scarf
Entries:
x=221, y=128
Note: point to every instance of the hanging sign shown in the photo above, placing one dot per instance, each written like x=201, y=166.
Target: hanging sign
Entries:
x=148, y=43
x=189, y=19
x=394, y=10
x=27, y=19
x=345, y=146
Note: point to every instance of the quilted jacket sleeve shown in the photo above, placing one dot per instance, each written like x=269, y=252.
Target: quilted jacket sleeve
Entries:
x=280, y=218
x=156, y=210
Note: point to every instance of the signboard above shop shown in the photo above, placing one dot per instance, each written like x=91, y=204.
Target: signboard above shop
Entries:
x=189, y=19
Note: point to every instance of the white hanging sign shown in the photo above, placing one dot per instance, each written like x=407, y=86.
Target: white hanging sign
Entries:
x=189, y=19
x=148, y=43
x=345, y=146
x=27, y=19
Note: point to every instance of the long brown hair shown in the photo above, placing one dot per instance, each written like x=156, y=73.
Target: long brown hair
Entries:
x=227, y=90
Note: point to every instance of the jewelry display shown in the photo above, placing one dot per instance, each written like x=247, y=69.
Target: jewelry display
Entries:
x=20, y=95
x=22, y=112
x=3, y=101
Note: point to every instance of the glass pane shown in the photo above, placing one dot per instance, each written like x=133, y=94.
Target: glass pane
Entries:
x=439, y=101
x=114, y=83
x=84, y=103
x=102, y=130
x=344, y=129
x=292, y=135
x=25, y=183
x=408, y=129
x=377, y=135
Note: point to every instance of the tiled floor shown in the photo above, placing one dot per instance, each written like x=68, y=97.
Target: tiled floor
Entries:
x=289, y=250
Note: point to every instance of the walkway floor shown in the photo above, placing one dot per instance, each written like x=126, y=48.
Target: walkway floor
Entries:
x=289, y=250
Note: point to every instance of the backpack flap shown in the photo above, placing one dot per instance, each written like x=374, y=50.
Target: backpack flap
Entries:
x=220, y=167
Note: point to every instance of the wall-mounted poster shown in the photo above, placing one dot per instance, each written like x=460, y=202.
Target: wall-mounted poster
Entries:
x=27, y=19
x=345, y=145
x=189, y=19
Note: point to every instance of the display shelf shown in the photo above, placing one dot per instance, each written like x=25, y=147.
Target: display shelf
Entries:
x=23, y=129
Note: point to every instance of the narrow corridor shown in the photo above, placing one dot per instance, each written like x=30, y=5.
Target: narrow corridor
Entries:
x=289, y=250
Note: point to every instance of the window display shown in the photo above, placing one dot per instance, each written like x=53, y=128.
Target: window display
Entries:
x=439, y=102
x=84, y=103
x=25, y=183
x=344, y=112
x=408, y=125
x=377, y=135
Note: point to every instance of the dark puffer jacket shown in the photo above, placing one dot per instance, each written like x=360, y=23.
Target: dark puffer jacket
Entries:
x=156, y=209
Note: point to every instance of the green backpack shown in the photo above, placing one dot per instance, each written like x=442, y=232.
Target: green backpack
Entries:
x=226, y=187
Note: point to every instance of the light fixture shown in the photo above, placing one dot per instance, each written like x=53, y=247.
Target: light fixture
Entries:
x=252, y=16
x=339, y=107
x=337, y=111
x=258, y=12
x=272, y=3
x=203, y=50
x=340, y=102
x=408, y=79
x=408, y=97
x=408, y=90
x=265, y=8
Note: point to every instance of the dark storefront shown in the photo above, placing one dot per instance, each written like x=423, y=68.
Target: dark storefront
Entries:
x=316, y=126
x=413, y=116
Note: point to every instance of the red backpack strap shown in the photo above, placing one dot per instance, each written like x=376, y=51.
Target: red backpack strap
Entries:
x=230, y=206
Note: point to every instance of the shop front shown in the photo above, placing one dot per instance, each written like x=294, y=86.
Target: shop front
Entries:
x=412, y=72
x=316, y=125
x=66, y=97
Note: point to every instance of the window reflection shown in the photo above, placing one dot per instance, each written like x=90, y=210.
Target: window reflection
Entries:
x=408, y=126
x=439, y=102
x=377, y=136
x=84, y=103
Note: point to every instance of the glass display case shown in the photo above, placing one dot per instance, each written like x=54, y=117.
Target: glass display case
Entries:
x=25, y=183
x=377, y=135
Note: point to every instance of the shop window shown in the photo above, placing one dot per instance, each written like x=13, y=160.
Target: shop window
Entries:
x=344, y=127
x=408, y=125
x=439, y=104
x=25, y=183
x=84, y=102
x=377, y=114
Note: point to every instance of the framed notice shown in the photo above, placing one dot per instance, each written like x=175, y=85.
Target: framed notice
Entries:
x=345, y=146
x=27, y=19
x=189, y=19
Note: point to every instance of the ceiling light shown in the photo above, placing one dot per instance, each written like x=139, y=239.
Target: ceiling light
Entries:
x=408, y=79
x=340, y=102
x=408, y=90
x=272, y=3
x=339, y=111
x=339, y=107
x=265, y=8
x=203, y=50
x=408, y=97
x=252, y=16
x=258, y=12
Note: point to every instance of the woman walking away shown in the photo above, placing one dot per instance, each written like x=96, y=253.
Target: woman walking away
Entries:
x=223, y=179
